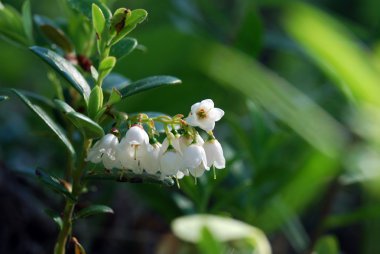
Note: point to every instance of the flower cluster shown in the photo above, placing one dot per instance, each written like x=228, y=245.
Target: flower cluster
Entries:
x=182, y=152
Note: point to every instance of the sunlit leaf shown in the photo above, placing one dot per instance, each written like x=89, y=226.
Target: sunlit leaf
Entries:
x=106, y=66
x=65, y=69
x=93, y=210
x=27, y=20
x=86, y=125
x=148, y=83
x=327, y=245
x=11, y=25
x=54, y=184
x=63, y=106
x=95, y=102
x=98, y=20
x=47, y=120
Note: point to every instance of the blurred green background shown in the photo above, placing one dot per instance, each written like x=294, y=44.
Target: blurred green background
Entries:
x=300, y=85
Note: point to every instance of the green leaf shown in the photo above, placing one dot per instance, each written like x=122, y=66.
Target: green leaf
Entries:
x=115, y=97
x=137, y=16
x=120, y=175
x=54, y=184
x=106, y=66
x=58, y=37
x=85, y=7
x=96, y=101
x=11, y=25
x=65, y=69
x=115, y=80
x=98, y=20
x=86, y=125
x=148, y=83
x=27, y=20
x=123, y=47
x=207, y=244
x=327, y=245
x=3, y=97
x=55, y=217
x=93, y=210
x=48, y=121
x=63, y=106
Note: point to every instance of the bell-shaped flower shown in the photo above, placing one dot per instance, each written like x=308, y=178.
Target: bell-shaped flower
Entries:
x=132, y=149
x=174, y=141
x=104, y=151
x=204, y=115
x=214, y=154
x=194, y=157
x=186, y=140
x=151, y=159
x=171, y=162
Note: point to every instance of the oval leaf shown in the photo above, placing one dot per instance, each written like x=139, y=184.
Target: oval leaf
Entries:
x=124, y=47
x=106, y=66
x=27, y=20
x=148, y=83
x=49, y=122
x=115, y=80
x=65, y=69
x=88, y=127
x=93, y=210
x=63, y=106
x=95, y=102
x=54, y=184
x=98, y=19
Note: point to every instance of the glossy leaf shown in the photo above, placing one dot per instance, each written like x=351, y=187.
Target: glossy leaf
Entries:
x=27, y=20
x=3, y=98
x=98, y=20
x=148, y=83
x=124, y=47
x=53, y=183
x=93, y=210
x=129, y=177
x=96, y=101
x=65, y=69
x=137, y=16
x=57, y=36
x=115, y=97
x=85, y=7
x=63, y=106
x=55, y=217
x=47, y=120
x=106, y=66
x=115, y=80
x=86, y=125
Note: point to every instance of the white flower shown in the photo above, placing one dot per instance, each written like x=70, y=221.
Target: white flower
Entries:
x=151, y=159
x=171, y=162
x=214, y=154
x=104, y=150
x=195, y=160
x=186, y=140
x=132, y=149
x=204, y=115
x=174, y=141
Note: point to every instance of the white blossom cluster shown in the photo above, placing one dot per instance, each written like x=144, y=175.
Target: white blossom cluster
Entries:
x=177, y=156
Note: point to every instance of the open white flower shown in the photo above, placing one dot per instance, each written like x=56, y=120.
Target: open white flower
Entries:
x=174, y=142
x=195, y=160
x=104, y=151
x=204, y=115
x=214, y=154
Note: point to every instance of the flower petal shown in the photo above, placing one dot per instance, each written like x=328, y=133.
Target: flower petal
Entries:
x=216, y=114
x=207, y=124
x=207, y=104
x=195, y=107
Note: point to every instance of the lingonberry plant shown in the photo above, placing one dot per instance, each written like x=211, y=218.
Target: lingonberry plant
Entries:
x=132, y=150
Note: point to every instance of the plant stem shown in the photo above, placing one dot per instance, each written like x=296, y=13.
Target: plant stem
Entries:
x=60, y=246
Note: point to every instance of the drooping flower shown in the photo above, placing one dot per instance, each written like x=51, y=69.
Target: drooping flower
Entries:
x=104, y=151
x=204, y=115
x=172, y=140
x=186, y=140
x=151, y=159
x=195, y=160
x=214, y=154
x=132, y=149
x=171, y=162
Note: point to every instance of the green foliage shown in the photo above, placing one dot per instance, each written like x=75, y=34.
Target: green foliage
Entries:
x=85, y=7
x=47, y=120
x=65, y=69
x=55, y=217
x=54, y=184
x=96, y=101
x=12, y=24
x=3, y=98
x=327, y=245
x=98, y=20
x=208, y=244
x=148, y=83
x=123, y=48
x=106, y=66
x=57, y=36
